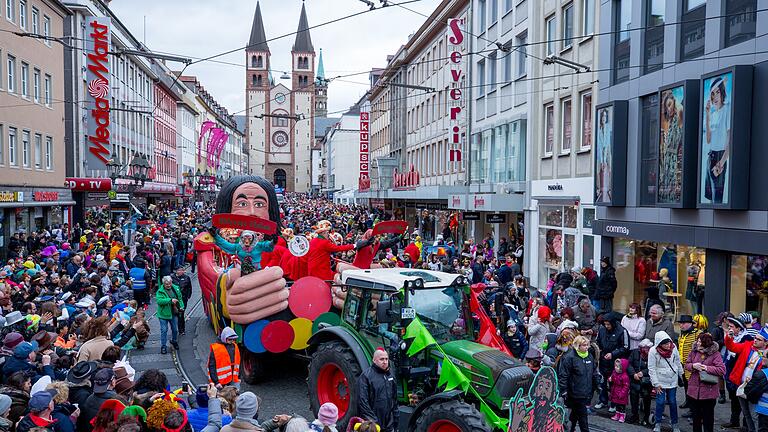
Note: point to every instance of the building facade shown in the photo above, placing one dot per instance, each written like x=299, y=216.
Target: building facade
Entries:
x=32, y=157
x=280, y=126
x=186, y=139
x=680, y=139
x=167, y=98
x=563, y=89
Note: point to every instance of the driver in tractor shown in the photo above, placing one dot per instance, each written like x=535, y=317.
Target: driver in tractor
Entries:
x=377, y=390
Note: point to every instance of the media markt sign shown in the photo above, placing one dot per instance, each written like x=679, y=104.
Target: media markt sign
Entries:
x=98, y=92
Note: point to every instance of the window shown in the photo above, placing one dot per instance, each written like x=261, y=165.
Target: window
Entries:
x=47, y=28
x=692, y=29
x=23, y=14
x=588, y=9
x=565, y=108
x=508, y=64
x=12, y=144
x=11, y=74
x=654, y=35
x=38, y=151
x=25, y=148
x=622, y=46
x=494, y=11
x=35, y=20
x=481, y=11
x=47, y=90
x=24, y=79
x=508, y=5
x=549, y=129
x=2, y=146
x=649, y=149
x=586, y=120
x=9, y=12
x=551, y=35
x=481, y=77
x=492, y=71
x=568, y=26
x=522, y=54
x=748, y=272
x=740, y=20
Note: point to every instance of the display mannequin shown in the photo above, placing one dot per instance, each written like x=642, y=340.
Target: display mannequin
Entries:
x=694, y=268
x=700, y=283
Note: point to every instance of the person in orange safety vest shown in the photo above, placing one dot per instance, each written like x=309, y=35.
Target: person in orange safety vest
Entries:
x=224, y=360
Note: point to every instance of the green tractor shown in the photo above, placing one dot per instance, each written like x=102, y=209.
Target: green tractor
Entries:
x=380, y=304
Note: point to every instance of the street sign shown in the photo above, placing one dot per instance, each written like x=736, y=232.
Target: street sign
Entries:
x=112, y=195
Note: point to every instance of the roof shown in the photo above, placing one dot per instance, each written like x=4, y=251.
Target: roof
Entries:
x=240, y=121
x=258, y=40
x=323, y=123
x=394, y=278
x=303, y=42
x=320, y=68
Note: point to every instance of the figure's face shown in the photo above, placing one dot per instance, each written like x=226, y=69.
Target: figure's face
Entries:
x=250, y=199
x=247, y=240
x=669, y=105
x=717, y=97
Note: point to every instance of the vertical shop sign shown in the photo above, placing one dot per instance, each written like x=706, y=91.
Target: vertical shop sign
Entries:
x=456, y=102
x=364, y=183
x=98, y=92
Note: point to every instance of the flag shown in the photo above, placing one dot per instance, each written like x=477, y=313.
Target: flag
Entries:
x=420, y=335
x=452, y=376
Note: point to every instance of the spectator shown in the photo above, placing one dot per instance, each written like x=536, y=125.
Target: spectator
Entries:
x=689, y=333
x=658, y=322
x=606, y=286
x=665, y=370
x=182, y=280
x=619, y=381
x=17, y=387
x=515, y=340
x=326, y=420
x=577, y=378
x=705, y=366
x=613, y=341
x=748, y=360
x=199, y=417
x=169, y=306
x=538, y=327
x=40, y=410
x=377, y=392
x=586, y=316
x=5, y=411
x=640, y=383
x=103, y=390
x=95, y=335
x=246, y=408
x=634, y=323
x=224, y=360
x=63, y=410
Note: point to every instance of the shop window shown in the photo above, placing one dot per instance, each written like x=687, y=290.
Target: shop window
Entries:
x=654, y=35
x=692, y=29
x=676, y=271
x=557, y=240
x=588, y=251
x=749, y=284
x=622, y=45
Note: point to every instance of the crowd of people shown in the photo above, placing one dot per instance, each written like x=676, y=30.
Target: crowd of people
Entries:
x=73, y=302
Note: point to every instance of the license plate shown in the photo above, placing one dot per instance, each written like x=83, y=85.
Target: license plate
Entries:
x=408, y=313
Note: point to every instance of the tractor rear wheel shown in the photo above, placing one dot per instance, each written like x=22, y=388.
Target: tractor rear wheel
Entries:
x=451, y=416
x=333, y=373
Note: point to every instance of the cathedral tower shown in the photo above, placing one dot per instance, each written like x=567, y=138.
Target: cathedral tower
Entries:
x=321, y=88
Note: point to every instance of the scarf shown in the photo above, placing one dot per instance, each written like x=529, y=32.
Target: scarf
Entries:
x=664, y=353
x=582, y=354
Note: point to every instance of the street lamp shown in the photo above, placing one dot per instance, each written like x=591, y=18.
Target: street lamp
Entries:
x=138, y=169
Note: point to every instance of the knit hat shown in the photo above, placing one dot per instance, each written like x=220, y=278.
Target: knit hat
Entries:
x=328, y=414
x=246, y=406
x=544, y=313
x=645, y=343
x=764, y=333
x=745, y=317
x=134, y=411
x=227, y=333
x=5, y=403
x=12, y=339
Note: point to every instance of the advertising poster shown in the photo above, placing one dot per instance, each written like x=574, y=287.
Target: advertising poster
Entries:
x=604, y=156
x=716, y=148
x=671, y=141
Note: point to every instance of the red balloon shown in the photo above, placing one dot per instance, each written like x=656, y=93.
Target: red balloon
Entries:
x=310, y=297
x=277, y=336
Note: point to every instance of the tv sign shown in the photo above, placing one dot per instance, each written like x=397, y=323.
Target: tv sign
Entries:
x=98, y=92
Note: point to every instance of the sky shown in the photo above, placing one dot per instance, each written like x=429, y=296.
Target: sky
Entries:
x=201, y=28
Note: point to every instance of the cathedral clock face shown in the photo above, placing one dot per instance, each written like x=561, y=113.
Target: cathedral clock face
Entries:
x=280, y=98
x=280, y=139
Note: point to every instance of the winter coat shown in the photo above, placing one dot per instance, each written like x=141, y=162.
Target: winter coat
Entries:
x=685, y=345
x=90, y=408
x=715, y=366
x=664, y=372
x=606, y=284
x=13, y=364
x=537, y=332
x=32, y=421
x=240, y=426
x=638, y=364
x=164, y=300
x=93, y=349
x=615, y=342
x=664, y=325
x=317, y=426
x=742, y=351
x=377, y=398
x=61, y=413
x=198, y=417
x=588, y=318
x=185, y=285
x=635, y=327
x=620, y=385
x=577, y=377
x=78, y=393
x=19, y=402
x=516, y=344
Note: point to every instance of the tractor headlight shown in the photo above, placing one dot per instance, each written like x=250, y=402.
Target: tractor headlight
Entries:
x=418, y=283
x=461, y=280
x=505, y=404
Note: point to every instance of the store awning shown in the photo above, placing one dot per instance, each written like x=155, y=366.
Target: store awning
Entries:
x=36, y=204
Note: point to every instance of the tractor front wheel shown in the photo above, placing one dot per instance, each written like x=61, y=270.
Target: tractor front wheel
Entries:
x=333, y=373
x=451, y=416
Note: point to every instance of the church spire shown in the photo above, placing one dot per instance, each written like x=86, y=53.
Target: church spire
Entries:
x=320, y=74
x=258, y=40
x=303, y=42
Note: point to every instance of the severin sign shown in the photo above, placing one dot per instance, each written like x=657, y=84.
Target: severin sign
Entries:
x=365, y=182
x=98, y=92
x=456, y=41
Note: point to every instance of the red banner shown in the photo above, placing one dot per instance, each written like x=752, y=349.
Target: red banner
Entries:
x=78, y=184
x=390, y=227
x=364, y=151
x=252, y=223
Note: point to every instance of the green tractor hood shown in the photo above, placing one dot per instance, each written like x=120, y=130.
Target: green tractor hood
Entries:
x=495, y=375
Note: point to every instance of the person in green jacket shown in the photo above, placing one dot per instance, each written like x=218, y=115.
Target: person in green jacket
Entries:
x=169, y=303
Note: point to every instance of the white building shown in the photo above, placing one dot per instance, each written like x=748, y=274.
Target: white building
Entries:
x=186, y=132
x=342, y=149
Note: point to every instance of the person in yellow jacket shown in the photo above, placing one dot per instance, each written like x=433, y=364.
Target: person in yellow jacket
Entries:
x=690, y=329
x=224, y=360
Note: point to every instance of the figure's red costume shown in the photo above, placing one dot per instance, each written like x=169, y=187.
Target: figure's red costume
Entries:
x=319, y=257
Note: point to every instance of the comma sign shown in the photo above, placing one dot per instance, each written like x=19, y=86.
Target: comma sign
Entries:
x=456, y=102
x=98, y=92
x=364, y=182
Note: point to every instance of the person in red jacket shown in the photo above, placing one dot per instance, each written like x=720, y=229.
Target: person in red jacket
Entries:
x=369, y=246
x=749, y=359
x=320, y=250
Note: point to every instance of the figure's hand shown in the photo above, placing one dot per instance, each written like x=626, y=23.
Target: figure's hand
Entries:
x=339, y=295
x=256, y=295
